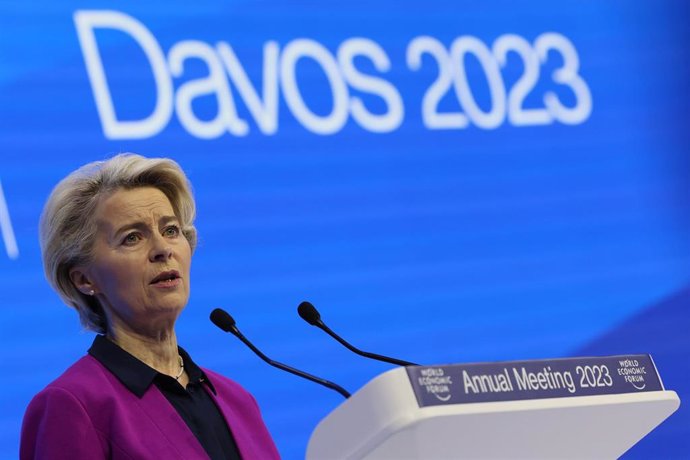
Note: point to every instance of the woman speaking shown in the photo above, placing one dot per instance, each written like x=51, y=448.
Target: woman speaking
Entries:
x=117, y=238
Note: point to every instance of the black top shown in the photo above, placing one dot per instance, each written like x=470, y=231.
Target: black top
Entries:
x=194, y=404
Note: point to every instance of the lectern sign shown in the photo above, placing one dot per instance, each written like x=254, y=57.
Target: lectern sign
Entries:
x=549, y=378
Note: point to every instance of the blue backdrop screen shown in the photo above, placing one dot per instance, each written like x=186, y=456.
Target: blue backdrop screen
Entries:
x=446, y=181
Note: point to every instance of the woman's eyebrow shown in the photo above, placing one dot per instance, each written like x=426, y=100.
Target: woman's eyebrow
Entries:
x=138, y=224
x=142, y=225
x=167, y=219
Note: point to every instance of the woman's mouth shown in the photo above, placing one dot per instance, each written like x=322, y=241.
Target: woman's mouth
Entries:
x=169, y=278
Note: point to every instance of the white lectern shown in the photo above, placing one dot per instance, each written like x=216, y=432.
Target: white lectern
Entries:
x=385, y=419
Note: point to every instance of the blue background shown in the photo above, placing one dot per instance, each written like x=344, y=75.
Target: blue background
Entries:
x=435, y=246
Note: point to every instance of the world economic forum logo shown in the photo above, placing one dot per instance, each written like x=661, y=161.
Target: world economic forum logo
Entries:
x=633, y=372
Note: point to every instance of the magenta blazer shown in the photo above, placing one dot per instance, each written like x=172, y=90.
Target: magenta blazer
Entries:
x=88, y=414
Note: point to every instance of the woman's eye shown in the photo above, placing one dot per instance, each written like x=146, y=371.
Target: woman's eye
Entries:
x=172, y=231
x=131, y=238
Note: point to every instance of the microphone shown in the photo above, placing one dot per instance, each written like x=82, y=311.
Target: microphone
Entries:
x=223, y=320
x=310, y=314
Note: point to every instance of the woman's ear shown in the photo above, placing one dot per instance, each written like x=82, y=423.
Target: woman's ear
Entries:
x=81, y=281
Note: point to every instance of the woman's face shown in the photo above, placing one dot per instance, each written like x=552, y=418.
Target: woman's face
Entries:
x=141, y=260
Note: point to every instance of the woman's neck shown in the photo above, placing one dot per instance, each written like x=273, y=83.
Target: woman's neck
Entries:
x=158, y=351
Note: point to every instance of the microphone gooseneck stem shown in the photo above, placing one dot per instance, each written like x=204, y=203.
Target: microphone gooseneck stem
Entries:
x=285, y=367
x=399, y=362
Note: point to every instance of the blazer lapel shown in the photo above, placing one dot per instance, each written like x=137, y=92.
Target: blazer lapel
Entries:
x=173, y=429
x=239, y=426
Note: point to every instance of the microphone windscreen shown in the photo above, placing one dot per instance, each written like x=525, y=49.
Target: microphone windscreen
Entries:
x=222, y=319
x=309, y=313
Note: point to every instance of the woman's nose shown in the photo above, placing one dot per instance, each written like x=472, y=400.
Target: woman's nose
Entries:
x=161, y=249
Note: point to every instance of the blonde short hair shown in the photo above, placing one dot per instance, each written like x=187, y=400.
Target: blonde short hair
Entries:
x=67, y=226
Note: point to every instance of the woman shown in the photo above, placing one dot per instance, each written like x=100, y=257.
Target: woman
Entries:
x=117, y=238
